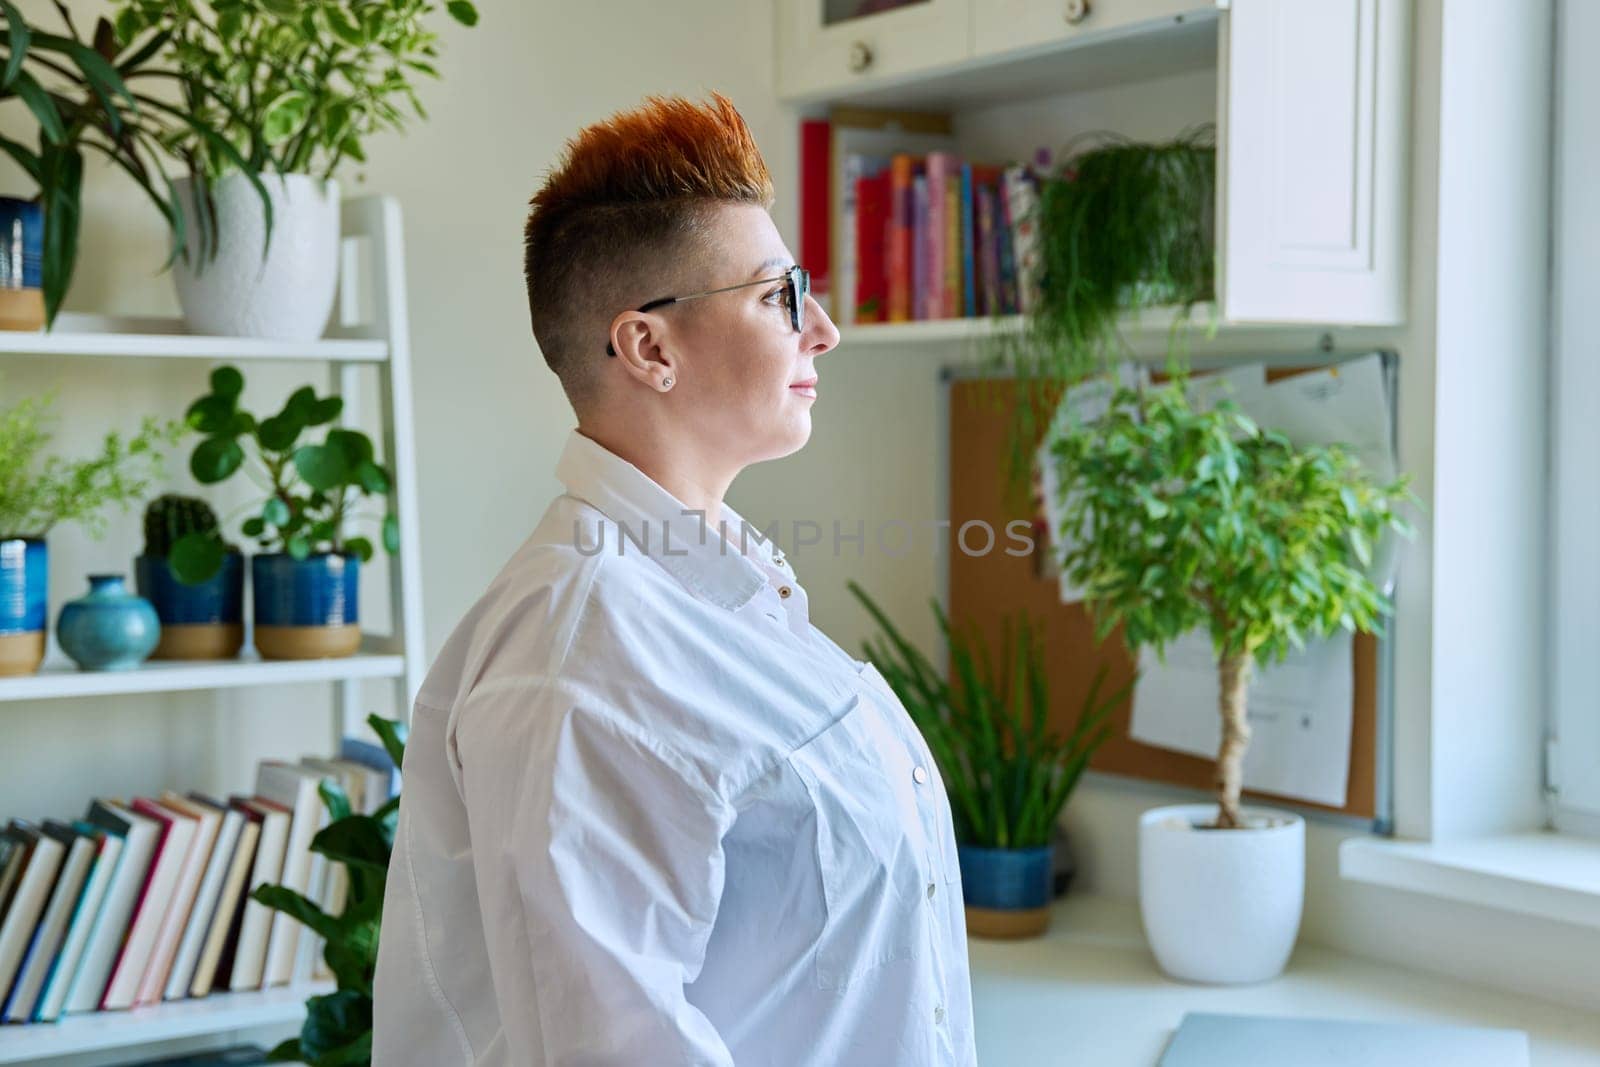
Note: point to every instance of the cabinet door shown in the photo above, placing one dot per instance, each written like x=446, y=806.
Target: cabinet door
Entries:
x=826, y=47
x=1000, y=26
x=1313, y=118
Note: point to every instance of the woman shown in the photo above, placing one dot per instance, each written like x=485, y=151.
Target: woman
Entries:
x=652, y=815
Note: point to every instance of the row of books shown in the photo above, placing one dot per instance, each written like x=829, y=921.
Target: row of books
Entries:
x=937, y=237
x=148, y=900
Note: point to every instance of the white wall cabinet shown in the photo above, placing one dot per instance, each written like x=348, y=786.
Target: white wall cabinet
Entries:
x=1313, y=114
x=1003, y=26
x=1312, y=140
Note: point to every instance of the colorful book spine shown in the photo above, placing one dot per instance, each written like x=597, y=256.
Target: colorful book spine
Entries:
x=942, y=176
x=1023, y=196
x=969, y=278
x=816, y=167
x=846, y=258
x=872, y=248
x=902, y=172
x=988, y=252
x=920, y=251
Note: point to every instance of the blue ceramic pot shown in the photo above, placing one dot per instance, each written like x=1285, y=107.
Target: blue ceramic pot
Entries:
x=24, y=590
x=306, y=609
x=21, y=243
x=1008, y=879
x=109, y=629
x=221, y=599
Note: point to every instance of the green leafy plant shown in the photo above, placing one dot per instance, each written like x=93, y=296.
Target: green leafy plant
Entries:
x=1007, y=773
x=1178, y=520
x=312, y=487
x=79, y=94
x=296, y=85
x=338, y=1027
x=1123, y=227
x=38, y=491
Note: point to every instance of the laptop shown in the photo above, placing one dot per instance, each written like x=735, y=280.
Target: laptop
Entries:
x=1208, y=1040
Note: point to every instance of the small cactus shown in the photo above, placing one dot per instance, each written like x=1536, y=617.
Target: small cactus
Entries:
x=170, y=517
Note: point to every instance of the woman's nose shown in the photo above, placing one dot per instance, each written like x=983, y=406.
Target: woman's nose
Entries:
x=821, y=335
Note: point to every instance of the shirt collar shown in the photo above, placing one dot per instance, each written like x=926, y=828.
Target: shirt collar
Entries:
x=707, y=561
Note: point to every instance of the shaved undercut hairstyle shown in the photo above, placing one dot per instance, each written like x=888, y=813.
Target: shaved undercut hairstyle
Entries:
x=623, y=214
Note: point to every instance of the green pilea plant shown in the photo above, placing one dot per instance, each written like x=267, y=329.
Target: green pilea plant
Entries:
x=1007, y=773
x=1178, y=520
x=313, y=487
x=338, y=1026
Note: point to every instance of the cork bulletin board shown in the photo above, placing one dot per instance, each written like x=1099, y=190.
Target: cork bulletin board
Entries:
x=984, y=589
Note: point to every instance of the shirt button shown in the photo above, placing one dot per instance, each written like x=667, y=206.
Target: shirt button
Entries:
x=784, y=591
x=919, y=775
x=930, y=890
x=938, y=1014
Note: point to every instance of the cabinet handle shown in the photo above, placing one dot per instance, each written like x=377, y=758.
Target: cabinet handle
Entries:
x=860, y=56
x=1076, y=11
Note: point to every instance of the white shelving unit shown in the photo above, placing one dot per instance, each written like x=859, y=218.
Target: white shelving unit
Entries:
x=372, y=331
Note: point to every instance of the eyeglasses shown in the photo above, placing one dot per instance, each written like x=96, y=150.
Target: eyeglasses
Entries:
x=797, y=286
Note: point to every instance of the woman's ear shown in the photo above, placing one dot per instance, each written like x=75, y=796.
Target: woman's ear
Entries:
x=640, y=342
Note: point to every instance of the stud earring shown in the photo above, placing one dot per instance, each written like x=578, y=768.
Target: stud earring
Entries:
x=666, y=383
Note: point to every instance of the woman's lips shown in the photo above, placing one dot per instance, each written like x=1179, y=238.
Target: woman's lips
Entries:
x=805, y=388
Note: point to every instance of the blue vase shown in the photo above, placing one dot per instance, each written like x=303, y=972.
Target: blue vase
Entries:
x=306, y=609
x=24, y=590
x=21, y=264
x=204, y=621
x=109, y=629
x=1007, y=891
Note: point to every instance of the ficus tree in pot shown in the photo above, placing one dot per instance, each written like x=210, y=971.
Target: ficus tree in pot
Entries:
x=1177, y=519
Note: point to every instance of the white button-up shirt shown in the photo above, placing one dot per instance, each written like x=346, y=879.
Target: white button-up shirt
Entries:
x=653, y=816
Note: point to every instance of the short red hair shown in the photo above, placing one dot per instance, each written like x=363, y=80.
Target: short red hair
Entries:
x=624, y=207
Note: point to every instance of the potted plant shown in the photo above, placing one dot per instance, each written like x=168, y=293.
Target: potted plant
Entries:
x=298, y=88
x=305, y=585
x=1007, y=773
x=1123, y=227
x=338, y=1026
x=1178, y=520
x=37, y=492
x=201, y=618
x=79, y=95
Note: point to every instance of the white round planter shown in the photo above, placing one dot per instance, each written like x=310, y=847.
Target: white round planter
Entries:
x=1221, y=906
x=288, y=295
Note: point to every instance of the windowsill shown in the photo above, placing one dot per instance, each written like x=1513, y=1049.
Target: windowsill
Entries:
x=1550, y=875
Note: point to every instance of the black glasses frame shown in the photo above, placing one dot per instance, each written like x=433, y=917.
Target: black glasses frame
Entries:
x=798, y=287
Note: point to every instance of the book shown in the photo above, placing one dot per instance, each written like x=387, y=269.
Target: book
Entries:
x=352, y=779
x=171, y=854
x=872, y=248
x=250, y=954
x=217, y=952
x=139, y=839
x=988, y=214
x=1007, y=263
x=229, y=823
x=902, y=191
x=816, y=145
x=848, y=255
x=107, y=855
x=52, y=927
x=940, y=167
x=13, y=857
x=969, y=276
x=1022, y=199
x=46, y=850
x=921, y=252
x=374, y=756
x=206, y=821
x=295, y=788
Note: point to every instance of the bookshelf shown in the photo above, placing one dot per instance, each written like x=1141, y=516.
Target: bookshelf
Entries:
x=370, y=339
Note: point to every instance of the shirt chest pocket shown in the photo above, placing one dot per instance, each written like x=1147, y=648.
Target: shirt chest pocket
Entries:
x=873, y=853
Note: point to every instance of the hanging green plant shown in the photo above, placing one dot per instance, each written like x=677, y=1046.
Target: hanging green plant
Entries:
x=1123, y=227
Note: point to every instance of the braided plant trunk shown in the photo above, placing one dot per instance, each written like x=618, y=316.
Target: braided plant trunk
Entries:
x=1234, y=669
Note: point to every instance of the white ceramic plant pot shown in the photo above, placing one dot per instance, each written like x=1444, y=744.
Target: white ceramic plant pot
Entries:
x=288, y=295
x=1221, y=906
